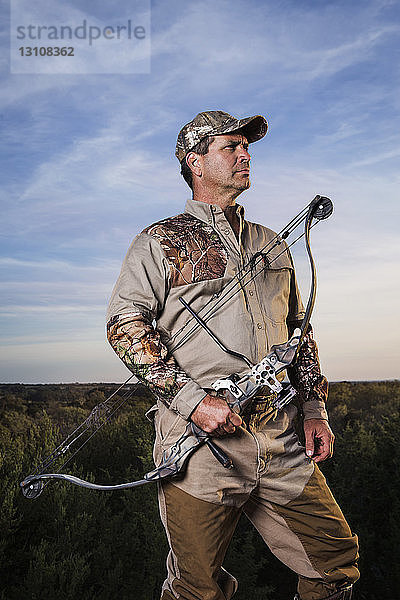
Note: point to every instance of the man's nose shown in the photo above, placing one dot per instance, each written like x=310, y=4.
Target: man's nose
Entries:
x=244, y=155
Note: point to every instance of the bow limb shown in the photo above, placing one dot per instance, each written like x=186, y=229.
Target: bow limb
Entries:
x=320, y=208
x=33, y=485
x=313, y=285
x=173, y=461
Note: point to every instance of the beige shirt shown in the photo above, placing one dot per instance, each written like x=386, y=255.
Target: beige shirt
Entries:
x=197, y=256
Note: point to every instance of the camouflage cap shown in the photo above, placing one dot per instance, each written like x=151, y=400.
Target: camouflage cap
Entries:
x=216, y=122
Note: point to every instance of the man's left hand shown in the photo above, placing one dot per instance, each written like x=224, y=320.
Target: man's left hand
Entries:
x=319, y=439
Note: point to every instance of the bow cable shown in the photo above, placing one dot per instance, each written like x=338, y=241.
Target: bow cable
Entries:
x=246, y=269
x=225, y=298
x=98, y=417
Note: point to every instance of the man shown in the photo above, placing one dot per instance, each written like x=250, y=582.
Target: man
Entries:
x=275, y=481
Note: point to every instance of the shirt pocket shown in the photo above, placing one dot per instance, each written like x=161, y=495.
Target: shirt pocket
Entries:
x=275, y=294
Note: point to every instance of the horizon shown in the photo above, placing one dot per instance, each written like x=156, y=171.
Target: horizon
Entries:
x=140, y=383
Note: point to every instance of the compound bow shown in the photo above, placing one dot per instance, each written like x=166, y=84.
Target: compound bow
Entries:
x=238, y=391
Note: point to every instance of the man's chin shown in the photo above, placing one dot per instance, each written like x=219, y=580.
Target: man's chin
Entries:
x=245, y=184
x=241, y=186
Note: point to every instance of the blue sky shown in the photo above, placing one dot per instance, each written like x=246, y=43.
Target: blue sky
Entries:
x=88, y=161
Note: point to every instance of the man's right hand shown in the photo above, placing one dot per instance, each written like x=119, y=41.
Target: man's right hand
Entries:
x=214, y=416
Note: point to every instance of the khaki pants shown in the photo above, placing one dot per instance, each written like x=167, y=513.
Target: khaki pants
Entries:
x=283, y=494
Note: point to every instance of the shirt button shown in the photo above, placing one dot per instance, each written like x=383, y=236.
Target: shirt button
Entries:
x=260, y=326
x=251, y=292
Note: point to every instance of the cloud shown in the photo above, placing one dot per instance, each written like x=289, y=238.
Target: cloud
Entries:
x=288, y=45
x=97, y=178
x=56, y=265
x=376, y=158
x=332, y=60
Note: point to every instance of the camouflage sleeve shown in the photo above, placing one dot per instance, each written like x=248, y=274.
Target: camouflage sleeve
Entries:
x=139, y=346
x=137, y=299
x=305, y=375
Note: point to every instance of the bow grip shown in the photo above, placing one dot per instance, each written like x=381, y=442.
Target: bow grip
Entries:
x=219, y=454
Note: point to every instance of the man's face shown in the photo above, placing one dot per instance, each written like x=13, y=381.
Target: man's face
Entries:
x=226, y=166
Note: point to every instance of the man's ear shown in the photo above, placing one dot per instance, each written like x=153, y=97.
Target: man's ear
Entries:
x=193, y=161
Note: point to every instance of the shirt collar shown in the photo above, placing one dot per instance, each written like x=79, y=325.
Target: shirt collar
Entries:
x=206, y=212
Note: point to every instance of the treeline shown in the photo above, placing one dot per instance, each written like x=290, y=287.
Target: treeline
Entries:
x=73, y=543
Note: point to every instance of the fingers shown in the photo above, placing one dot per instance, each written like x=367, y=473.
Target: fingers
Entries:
x=319, y=439
x=324, y=449
x=230, y=424
x=235, y=419
x=214, y=416
x=310, y=445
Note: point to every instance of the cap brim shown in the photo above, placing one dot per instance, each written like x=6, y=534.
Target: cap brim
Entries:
x=254, y=128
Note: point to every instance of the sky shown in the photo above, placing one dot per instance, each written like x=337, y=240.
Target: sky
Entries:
x=87, y=161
